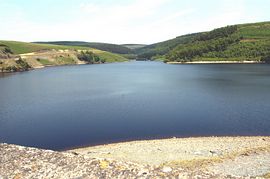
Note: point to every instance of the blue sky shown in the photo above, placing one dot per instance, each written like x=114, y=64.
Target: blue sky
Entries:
x=122, y=21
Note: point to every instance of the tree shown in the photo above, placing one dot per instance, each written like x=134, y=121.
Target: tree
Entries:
x=89, y=57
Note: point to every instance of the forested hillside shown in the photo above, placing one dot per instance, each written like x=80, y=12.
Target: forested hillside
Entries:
x=158, y=49
x=237, y=42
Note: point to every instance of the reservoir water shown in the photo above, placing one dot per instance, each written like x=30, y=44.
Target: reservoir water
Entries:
x=64, y=107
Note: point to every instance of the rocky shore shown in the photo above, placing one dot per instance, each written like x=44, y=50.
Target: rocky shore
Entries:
x=206, y=157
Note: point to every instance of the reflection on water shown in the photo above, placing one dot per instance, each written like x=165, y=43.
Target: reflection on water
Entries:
x=71, y=106
x=2, y=75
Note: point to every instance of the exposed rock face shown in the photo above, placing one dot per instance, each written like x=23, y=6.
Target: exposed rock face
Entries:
x=24, y=162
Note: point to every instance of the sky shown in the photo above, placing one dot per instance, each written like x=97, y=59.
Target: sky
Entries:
x=122, y=21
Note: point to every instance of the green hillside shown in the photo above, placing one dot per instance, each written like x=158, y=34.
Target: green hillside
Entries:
x=23, y=56
x=101, y=46
x=24, y=47
x=237, y=42
x=158, y=49
x=255, y=31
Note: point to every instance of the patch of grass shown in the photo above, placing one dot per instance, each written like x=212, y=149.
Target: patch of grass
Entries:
x=109, y=57
x=45, y=61
x=65, y=60
x=255, y=31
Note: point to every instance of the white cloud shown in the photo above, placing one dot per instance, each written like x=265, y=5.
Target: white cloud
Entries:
x=137, y=21
x=230, y=12
x=90, y=8
x=122, y=23
x=124, y=14
x=171, y=18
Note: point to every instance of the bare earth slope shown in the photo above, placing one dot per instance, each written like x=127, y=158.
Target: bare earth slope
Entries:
x=206, y=157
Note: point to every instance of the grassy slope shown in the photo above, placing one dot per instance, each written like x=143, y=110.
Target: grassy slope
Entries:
x=258, y=31
x=10, y=63
x=24, y=47
x=114, y=48
x=110, y=57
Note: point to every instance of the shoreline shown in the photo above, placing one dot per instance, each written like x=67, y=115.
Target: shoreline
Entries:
x=145, y=140
x=217, y=62
x=237, y=155
x=53, y=58
x=62, y=65
x=235, y=141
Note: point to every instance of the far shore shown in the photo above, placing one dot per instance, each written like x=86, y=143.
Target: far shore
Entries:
x=36, y=67
x=217, y=62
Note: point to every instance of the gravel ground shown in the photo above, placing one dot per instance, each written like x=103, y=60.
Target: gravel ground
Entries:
x=232, y=156
x=157, y=152
x=19, y=162
x=206, y=157
x=255, y=164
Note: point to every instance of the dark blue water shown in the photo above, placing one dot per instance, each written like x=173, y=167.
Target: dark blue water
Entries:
x=63, y=107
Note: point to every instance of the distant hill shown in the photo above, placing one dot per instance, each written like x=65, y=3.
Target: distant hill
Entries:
x=238, y=42
x=134, y=46
x=25, y=47
x=161, y=48
x=101, y=46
